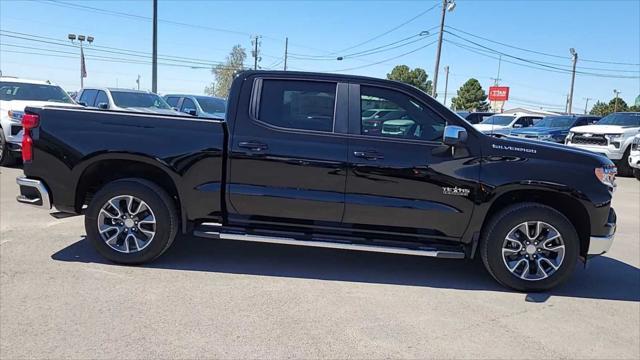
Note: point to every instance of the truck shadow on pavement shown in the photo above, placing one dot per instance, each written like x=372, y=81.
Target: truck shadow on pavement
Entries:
x=605, y=278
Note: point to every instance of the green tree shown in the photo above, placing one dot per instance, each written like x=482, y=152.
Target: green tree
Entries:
x=416, y=77
x=634, y=108
x=621, y=105
x=599, y=109
x=224, y=73
x=471, y=97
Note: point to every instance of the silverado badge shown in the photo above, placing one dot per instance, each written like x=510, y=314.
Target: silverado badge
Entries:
x=455, y=191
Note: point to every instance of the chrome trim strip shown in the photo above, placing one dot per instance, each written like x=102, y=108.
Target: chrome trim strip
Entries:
x=40, y=187
x=343, y=246
x=599, y=245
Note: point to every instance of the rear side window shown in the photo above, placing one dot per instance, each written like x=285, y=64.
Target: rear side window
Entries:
x=295, y=104
x=88, y=97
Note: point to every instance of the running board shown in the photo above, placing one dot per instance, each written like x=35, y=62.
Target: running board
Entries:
x=431, y=252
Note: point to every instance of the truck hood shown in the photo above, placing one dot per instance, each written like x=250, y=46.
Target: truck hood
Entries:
x=538, y=131
x=603, y=129
x=19, y=105
x=489, y=127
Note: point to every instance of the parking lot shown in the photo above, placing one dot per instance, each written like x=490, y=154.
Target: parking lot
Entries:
x=213, y=298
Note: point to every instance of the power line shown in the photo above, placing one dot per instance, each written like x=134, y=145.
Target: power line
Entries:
x=385, y=60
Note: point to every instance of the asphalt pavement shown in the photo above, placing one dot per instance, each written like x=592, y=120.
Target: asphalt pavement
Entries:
x=228, y=299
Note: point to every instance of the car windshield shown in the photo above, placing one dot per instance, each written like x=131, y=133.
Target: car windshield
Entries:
x=621, y=119
x=36, y=92
x=212, y=105
x=126, y=99
x=498, y=120
x=556, y=122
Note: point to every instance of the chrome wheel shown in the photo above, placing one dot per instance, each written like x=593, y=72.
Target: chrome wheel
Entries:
x=533, y=250
x=126, y=224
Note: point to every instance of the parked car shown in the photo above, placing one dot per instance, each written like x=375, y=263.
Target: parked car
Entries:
x=15, y=95
x=196, y=105
x=124, y=100
x=611, y=136
x=554, y=128
x=372, y=119
x=475, y=117
x=291, y=165
x=505, y=123
x=634, y=156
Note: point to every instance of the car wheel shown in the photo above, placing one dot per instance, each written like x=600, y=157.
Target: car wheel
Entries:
x=529, y=247
x=6, y=157
x=624, y=169
x=636, y=173
x=131, y=221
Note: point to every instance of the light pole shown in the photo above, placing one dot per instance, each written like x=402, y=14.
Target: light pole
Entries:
x=446, y=83
x=154, y=55
x=574, y=57
x=586, y=103
x=83, y=67
x=447, y=5
x=615, y=102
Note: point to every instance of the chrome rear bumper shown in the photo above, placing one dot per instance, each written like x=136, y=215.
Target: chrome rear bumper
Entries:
x=599, y=245
x=33, y=192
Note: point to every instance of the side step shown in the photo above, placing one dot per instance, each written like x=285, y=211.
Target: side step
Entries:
x=208, y=232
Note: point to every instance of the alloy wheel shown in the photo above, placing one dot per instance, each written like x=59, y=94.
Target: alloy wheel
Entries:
x=126, y=224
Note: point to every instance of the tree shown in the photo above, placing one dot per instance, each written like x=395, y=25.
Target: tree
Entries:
x=634, y=108
x=224, y=73
x=416, y=77
x=621, y=106
x=471, y=97
x=599, y=109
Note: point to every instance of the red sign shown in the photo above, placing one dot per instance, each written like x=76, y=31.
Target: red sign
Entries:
x=498, y=93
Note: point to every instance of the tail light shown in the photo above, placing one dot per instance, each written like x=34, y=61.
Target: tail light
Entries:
x=29, y=122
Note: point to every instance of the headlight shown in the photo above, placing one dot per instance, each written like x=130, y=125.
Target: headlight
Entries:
x=15, y=115
x=607, y=175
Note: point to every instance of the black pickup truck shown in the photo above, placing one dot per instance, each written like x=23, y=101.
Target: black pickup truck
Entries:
x=297, y=162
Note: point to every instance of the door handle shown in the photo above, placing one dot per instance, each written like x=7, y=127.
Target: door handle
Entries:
x=368, y=155
x=253, y=145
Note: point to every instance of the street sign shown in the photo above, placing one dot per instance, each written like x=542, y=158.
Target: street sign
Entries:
x=498, y=93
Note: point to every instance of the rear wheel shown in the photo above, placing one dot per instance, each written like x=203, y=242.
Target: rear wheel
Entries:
x=6, y=157
x=131, y=221
x=530, y=247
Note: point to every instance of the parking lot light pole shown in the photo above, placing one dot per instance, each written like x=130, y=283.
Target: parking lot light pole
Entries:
x=154, y=60
x=83, y=68
x=615, y=102
x=447, y=5
x=574, y=57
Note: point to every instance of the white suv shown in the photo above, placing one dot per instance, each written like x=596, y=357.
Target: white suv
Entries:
x=634, y=156
x=611, y=136
x=15, y=95
x=504, y=123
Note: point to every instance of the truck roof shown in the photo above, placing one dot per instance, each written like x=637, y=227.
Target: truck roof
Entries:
x=26, y=81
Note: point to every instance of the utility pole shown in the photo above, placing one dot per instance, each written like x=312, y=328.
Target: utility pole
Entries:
x=615, y=103
x=286, y=52
x=138, y=81
x=256, y=51
x=496, y=80
x=574, y=57
x=154, y=61
x=83, y=66
x=447, y=5
x=446, y=83
x=586, y=103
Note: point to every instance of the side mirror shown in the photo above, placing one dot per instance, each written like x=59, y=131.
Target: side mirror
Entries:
x=192, y=112
x=103, y=106
x=454, y=135
x=82, y=103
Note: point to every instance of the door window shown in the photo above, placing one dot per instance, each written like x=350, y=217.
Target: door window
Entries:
x=405, y=117
x=294, y=104
x=88, y=97
x=101, y=98
x=173, y=101
x=187, y=106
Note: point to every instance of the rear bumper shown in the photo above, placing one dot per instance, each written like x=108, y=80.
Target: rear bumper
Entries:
x=33, y=192
x=599, y=245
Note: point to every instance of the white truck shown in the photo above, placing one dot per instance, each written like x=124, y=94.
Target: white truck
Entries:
x=504, y=123
x=611, y=136
x=15, y=95
x=634, y=156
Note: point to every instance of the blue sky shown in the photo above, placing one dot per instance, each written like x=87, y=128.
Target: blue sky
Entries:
x=205, y=31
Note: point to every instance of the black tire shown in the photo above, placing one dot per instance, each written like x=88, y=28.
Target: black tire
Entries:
x=6, y=157
x=499, y=226
x=162, y=205
x=624, y=169
x=636, y=173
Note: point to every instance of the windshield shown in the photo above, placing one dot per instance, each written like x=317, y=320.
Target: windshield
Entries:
x=36, y=92
x=556, y=122
x=498, y=120
x=622, y=119
x=212, y=105
x=132, y=99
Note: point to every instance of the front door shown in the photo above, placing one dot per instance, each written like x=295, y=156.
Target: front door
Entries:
x=402, y=178
x=288, y=160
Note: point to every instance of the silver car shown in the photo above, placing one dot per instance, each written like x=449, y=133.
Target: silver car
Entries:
x=124, y=100
x=198, y=105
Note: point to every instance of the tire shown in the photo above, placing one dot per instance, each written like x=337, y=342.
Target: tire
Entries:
x=624, y=169
x=6, y=157
x=503, y=224
x=127, y=245
x=636, y=173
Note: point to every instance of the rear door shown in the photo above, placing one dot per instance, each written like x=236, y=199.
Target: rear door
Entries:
x=288, y=152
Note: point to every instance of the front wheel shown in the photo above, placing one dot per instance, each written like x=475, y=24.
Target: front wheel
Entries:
x=131, y=221
x=530, y=247
x=624, y=169
x=636, y=173
x=6, y=157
